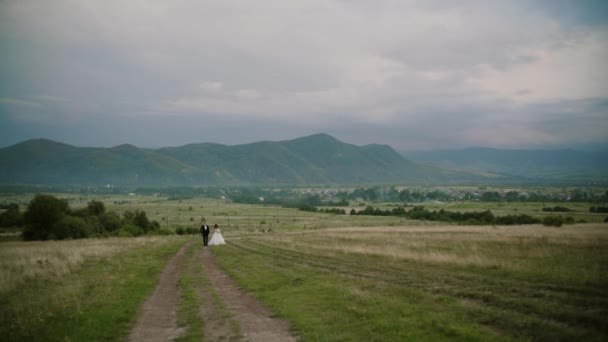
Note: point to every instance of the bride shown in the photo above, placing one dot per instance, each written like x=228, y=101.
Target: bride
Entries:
x=217, y=238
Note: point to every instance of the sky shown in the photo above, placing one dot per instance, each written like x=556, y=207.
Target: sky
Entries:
x=415, y=75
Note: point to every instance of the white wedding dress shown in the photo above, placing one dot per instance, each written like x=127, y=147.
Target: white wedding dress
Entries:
x=217, y=238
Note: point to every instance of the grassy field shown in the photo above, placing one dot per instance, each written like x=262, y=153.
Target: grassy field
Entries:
x=234, y=217
x=430, y=283
x=84, y=290
x=335, y=277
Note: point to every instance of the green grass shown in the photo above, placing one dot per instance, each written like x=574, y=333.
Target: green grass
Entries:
x=431, y=285
x=195, y=290
x=240, y=218
x=390, y=279
x=97, y=301
x=190, y=283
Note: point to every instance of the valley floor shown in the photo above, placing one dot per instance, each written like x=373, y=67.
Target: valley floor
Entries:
x=351, y=283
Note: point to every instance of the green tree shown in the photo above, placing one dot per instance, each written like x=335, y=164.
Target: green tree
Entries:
x=96, y=208
x=138, y=218
x=70, y=227
x=110, y=221
x=42, y=213
x=12, y=217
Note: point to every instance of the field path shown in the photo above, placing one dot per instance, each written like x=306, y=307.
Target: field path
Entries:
x=157, y=320
x=254, y=319
x=228, y=313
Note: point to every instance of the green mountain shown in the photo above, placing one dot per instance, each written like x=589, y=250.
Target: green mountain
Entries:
x=316, y=159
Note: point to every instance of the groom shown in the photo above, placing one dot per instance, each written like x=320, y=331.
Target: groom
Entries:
x=205, y=233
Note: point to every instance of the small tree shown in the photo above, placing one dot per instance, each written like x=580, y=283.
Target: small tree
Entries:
x=138, y=218
x=110, y=221
x=42, y=213
x=96, y=208
x=11, y=217
x=553, y=220
x=70, y=227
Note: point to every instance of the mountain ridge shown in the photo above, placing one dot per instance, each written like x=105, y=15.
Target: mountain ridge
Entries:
x=314, y=159
x=542, y=165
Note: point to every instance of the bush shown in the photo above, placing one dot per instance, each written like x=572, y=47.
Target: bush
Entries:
x=11, y=217
x=164, y=231
x=70, y=227
x=180, y=231
x=557, y=209
x=552, y=220
x=110, y=221
x=192, y=231
x=130, y=230
x=96, y=208
x=138, y=218
x=43, y=212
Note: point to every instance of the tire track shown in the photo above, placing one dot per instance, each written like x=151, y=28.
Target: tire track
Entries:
x=157, y=320
x=524, y=298
x=255, y=320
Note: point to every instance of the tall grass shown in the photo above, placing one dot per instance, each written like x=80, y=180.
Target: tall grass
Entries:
x=52, y=260
x=81, y=290
x=530, y=250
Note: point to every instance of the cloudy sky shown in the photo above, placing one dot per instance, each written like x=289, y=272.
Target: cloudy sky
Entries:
x=413, y=74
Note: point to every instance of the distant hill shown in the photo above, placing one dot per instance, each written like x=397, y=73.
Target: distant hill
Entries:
x=316, y=159
x=542, y=165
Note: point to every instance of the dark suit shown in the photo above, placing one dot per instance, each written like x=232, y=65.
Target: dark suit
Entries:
x=205, y=232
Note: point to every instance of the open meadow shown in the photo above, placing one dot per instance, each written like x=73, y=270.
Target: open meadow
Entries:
x=333, y=277
x=431, y=283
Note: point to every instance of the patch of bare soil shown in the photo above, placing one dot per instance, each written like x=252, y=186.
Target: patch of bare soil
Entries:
x=254, y=319
x=158, y=317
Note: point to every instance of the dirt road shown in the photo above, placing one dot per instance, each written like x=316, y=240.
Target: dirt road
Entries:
x=228, y=314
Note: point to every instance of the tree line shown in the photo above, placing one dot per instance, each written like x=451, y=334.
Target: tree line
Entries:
x=50, y=218
x=471, y=217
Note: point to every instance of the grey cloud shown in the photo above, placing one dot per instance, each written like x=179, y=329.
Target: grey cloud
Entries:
x=408, y=73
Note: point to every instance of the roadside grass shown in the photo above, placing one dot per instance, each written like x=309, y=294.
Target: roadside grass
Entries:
x=21, y=262
x=431, y=283
x=91, y=291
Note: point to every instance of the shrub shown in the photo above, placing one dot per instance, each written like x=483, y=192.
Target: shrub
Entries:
x=164, y=231
x=192, y=231
x=557, y=209
x=96, y=208
x=138, y=218
x=130, y=230
x=70, y=227
x=180, y=231
x=11, y=217
x=110, y=221
x=553, y=220
x=42, y=213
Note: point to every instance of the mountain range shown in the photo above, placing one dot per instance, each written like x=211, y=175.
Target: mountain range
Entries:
x=537, y=165
x=315, y=159
x=312, y=160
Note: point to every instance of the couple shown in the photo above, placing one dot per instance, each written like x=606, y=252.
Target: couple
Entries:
x=216, y=239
